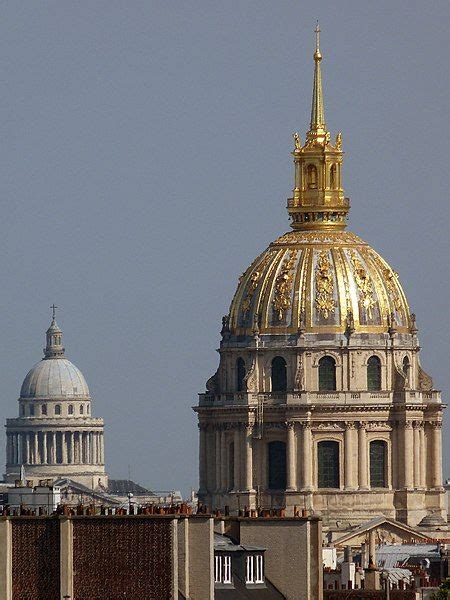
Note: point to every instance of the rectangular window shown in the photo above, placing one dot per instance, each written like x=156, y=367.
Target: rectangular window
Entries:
x=259, y=572
x=31, y=410
x=222, y=569
x=254, y=571
x=227, y=569
x=218, y=569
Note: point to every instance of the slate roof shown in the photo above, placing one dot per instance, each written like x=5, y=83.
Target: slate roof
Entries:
x=122, y=487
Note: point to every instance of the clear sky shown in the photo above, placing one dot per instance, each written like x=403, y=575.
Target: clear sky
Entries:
x=145, y=161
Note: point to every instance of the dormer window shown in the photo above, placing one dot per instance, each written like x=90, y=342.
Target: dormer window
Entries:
x=254, y=569
x=222, y=569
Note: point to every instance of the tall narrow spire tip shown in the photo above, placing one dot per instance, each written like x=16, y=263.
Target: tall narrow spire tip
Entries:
x=318, y=126
x=317, y=54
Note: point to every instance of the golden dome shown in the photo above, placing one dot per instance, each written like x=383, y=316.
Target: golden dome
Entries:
x=319, y=282
x=319, y=278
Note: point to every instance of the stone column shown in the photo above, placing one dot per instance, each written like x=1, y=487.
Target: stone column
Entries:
x=291, y=452
x=348, y=456
x=27, y=449
x=416, y=435
x=248, y=432
x=94, y=448
x=423, y=477
x=18, y=449
x=237, y=457
x=35, y=448
x=307, y=456
x=64, y=447
x=362, y=456
x=71, y=448
x=44, y=447
x=395, y=454
x=9, y=448
x=53, y=447
x=102, y=449
x=88, y=448
x=12, y=448
x=408, y=456
x=16, y=440
x=224, y=462
x=218, y=457
x=202, y=458
x=436, y=454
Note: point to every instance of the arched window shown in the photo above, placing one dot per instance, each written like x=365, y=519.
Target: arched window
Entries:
x=81, y=409
x=378, y=464
x=240, y=374
x=279, y=374
x=373, y=374
x=58, y=409
x=333, y=178
x=328, y=464
x=277, y=465
x=327, y=374
x=231, y=466
x=311, y=177
x=70, y=409
x=87, y=409
x=406, y=366
x=44, y=409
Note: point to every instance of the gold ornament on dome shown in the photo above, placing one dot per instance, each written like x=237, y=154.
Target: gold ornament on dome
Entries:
x=391, y=278
x=253, y=284
x=283, y=286
x=297, y=141
x=338, y=142
x=364, y=284
x=324, y=286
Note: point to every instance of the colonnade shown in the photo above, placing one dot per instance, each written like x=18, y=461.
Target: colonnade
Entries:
x=54, y=447
x=413, y=457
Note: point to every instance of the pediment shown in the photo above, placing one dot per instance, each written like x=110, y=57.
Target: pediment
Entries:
x=387, y=531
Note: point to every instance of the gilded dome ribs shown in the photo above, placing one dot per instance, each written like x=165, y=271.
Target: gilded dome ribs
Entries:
x=283, y=287
x=364, y=284
x=324, y=300
x=324, y=278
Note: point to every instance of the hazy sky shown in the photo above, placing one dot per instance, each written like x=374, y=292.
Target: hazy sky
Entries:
x=145, y=161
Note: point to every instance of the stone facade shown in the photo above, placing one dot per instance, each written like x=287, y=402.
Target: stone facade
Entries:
x=320, y=401
x=55, y=435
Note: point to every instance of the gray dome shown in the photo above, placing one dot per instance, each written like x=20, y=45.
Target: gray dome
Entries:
x=54, y=378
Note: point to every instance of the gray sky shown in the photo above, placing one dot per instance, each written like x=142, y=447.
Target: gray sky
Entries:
x=145, y=161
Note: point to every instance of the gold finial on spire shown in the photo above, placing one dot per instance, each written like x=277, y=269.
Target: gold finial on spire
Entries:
x=317, y=55
x=317, y=131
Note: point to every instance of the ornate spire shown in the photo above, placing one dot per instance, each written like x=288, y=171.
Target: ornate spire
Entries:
x=317, y=125
x=318, y=201
x=54, y=348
